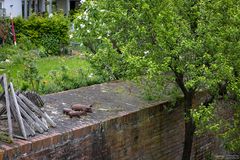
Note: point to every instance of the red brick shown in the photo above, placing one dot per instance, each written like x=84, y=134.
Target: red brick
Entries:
x=67, y=135
x=79, y=131
x=37, y=144
x=47, y=141
x=145, y=134
x=10, y=151
x=94, y=127
x=56, y=138
x=24, y=146
x=1, y=154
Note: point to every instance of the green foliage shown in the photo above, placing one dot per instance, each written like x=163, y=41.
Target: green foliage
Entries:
x=48, y=32
x=49, y=74
x=232, y=134
x=63, y=80
x=30, y=74
x=5, y=138
x=6, y=52
x=193, y=45
x=205, y=119
x=107, y=62
x=209, y=119
x=140, y=32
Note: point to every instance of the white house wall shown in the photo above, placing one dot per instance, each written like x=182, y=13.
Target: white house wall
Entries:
x=16, y=10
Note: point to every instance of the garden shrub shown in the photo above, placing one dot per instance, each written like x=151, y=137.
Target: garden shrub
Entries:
x=6, y=52
x=5, y=28
x=48, y=32
x=30, y=74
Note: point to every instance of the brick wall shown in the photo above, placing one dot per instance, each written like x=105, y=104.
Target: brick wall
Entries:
x=149, y=134
x=122, y=127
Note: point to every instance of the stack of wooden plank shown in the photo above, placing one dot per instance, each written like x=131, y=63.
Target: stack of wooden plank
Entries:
x=18, y=106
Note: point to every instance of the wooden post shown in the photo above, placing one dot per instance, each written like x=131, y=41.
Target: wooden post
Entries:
x=31, y=122
x=19, y=117
x=3, y=111
x=34, y=108
x=2, y=95
x=29, y=129
x=31, y=114
x=14, y=113
x=5, y=86
x=19, y=137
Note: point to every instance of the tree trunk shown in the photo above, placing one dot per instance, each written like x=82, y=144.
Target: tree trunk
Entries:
x=189, y=128
x=189, y=123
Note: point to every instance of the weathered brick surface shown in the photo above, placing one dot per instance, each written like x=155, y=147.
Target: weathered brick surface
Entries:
x=146, y=132
x=1, y=154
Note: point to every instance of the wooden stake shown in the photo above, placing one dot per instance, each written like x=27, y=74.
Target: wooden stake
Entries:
x=5, y=87
x=30, y=121
x=1, y=96
x=29, y=129
x=34, y=108
x=19, y=117
x=14, y=113
x=3, y=111
x=31, y=114
x=19, y=137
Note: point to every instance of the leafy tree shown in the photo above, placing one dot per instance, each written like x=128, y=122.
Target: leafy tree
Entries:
x=219, y=21
x=191, y=44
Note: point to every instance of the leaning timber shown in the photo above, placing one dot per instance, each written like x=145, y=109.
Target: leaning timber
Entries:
x=23, y=108
x=5, y=88
x=34, y=108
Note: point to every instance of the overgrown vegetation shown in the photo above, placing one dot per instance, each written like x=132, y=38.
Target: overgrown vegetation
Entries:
x=41, y=61
x=170, y=47
x=184, y=46
x=50, y=34
x=49, y=74
x=4, y=137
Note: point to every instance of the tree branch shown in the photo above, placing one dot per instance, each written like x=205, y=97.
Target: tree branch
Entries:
x=115, y=46
x=179, y=80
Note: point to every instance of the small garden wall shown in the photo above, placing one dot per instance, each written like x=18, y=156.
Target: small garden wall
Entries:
x=122, y=126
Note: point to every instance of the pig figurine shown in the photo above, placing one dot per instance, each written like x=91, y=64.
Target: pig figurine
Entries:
x=81, y=107
x=77, y=114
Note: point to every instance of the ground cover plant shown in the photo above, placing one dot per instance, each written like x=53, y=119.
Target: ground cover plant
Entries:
x=182, y=46
x=28, y=71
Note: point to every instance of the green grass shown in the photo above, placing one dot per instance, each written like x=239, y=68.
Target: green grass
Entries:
x=54, y=63
x=75, y=65
x=48, y=64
